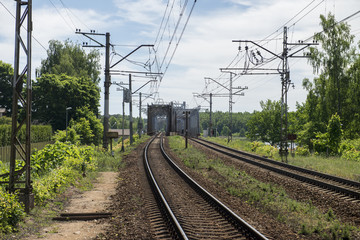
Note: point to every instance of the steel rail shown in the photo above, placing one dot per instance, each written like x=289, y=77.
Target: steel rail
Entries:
x=249, y=231
x=174, y=225
x=312, y=181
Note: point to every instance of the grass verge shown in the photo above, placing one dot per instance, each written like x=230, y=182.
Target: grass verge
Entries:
x=330, y=165
x=303, y=217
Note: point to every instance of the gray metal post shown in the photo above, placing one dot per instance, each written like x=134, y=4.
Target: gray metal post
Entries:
x=107, y=84
x=123, y=125
x=210, y=124
x=230, y=107
x=186, y=128
x=130, y=109
x=140, y=122
x=284, y=89
x=66, y=120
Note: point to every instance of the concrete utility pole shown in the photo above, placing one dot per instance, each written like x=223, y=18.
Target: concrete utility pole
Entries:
x=230, y=106
x=186, y=127
x=123, y=125
x=16, y=182
x=107, y=85
x=140, y=122
x=130, y=104
x=130, y=109
x=107, y=82
x=210, y=120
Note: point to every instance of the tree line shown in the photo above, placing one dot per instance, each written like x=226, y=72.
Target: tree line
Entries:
x=67, y=78
x=331, y=112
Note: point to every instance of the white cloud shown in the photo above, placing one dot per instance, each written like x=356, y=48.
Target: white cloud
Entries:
x=141, y=11
x=207, y=46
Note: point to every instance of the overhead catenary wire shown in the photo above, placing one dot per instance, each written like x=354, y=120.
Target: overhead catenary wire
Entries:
x=69, y=11
x=267, y=40
x=32, y=35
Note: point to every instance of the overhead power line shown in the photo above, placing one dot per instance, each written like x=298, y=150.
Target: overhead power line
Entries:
x=33, y=37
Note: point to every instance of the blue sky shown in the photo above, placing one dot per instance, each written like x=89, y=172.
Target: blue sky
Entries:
x=205, y=46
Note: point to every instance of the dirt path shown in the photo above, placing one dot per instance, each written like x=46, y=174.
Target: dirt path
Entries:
x=96, y=200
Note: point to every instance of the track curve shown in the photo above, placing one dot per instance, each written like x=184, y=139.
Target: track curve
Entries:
x=191, y=212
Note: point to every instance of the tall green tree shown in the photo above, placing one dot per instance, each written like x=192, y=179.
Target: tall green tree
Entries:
x=352, y=104
x=52, y=94
x=70, y=59
x=331, y=61
x=266, y=124
x=6, y=75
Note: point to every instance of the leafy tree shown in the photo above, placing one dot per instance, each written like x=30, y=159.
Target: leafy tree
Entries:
x=335, y=133
x=6, y=75
x=82, y=128
x=71, y=137
x=94, y=123
x=225, y=131
x=352, y=104
x=52, y=94
x=266, y=125
x=331, y=62
x=113, y=122
x=70, y=59
x=336, y=90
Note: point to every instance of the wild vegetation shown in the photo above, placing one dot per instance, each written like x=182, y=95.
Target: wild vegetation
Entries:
x=303, y=217
x=54, y=169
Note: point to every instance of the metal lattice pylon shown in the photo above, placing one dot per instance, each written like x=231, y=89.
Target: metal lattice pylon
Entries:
x=20, y=178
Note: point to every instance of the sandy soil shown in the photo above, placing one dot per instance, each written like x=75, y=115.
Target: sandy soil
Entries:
x=96, y=200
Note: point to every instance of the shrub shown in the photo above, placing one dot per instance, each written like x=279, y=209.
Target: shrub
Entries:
x=55, y=155
x=302, y=151
x=11, y=212
x=71, y=137
x=351, y=155
x=57, y=166
x=255, y=145
x=39, y=133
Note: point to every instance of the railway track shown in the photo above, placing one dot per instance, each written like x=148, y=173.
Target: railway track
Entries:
x=345, y=187
x=189, y=210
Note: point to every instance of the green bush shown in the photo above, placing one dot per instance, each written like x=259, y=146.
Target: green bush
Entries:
x=57, y=166
x=302, y=151
x=71, y=137
x=11, y=212
x=351, y=155
x=54, y=168
x=39, y=133
x=255, y=145
x=267, y=151
x=54, y=155
x=350, y=150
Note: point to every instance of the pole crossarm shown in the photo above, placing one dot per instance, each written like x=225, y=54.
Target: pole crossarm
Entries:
x=143, y=86
x=87, y=34
x=208, y=78
x=122, y=59
x=249, y=41
x=136, y=72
